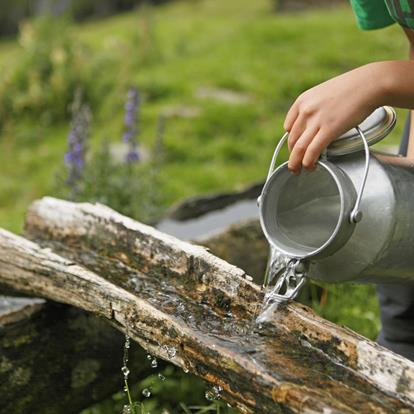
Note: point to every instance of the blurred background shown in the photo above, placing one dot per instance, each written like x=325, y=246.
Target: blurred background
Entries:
x=140, y=104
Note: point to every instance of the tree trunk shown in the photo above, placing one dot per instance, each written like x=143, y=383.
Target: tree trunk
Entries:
x=185, y=305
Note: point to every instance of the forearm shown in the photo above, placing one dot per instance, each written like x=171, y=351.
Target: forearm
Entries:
x=395, y=82
x=329, y=109
x=410, y=150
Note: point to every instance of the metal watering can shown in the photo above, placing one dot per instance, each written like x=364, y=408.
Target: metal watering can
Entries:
x=352, y=219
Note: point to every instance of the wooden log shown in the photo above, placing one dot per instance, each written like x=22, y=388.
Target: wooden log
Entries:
x=59, y=359
x=187, y=306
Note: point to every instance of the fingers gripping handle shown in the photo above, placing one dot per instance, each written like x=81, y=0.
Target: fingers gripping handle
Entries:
x=356, y=214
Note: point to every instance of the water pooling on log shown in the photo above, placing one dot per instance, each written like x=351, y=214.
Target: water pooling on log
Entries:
x=171, y=293
x=270, y=353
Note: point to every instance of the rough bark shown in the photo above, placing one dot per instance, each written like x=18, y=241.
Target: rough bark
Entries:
x=187, y=306
x=58, y=359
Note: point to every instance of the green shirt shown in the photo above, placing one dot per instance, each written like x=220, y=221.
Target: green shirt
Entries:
x=375, y=14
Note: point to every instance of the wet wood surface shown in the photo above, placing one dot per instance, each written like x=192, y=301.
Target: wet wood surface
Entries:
x=187, y=306
x=59, y=359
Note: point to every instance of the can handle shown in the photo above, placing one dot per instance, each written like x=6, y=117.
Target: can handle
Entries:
x=276, y=154
x=356, y=213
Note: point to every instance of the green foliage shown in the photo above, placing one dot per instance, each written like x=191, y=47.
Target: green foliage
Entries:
x=353, y=305
x=133, y=189
x=49, y=66
x=175, y=393
x=13, y=11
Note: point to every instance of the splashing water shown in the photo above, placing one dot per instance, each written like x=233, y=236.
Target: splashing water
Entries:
x=126, y=409
x=125, y=371
x=124, y=368
x=276, y=263
x=214, y=393
x=130, y=407
x=290, y=274
x=170, y=350
x=146, y=392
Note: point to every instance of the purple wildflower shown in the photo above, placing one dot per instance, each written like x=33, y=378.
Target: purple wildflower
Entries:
x=77, y=143
x=131, y=124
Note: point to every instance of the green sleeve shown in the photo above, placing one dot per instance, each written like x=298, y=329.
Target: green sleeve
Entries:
x=371, y=14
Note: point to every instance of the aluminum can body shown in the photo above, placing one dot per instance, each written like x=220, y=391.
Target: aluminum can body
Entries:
x=381, y=247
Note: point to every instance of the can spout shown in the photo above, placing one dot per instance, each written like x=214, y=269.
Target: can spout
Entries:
x=301, y=267
x=289, y=282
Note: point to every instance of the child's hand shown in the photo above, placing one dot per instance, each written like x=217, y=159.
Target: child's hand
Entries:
x=328, y=110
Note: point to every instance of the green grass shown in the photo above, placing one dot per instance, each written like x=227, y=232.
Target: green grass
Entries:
x=172, y=51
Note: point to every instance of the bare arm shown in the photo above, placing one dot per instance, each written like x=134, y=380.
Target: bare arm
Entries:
x=328, y=110
x=410, y=151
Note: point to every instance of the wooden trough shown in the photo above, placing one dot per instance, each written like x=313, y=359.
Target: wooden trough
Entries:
x=182, y=304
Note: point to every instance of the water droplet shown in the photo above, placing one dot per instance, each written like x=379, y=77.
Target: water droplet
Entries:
x=135, y=283
x=125, y=371
x=170, y=350
x=149, y=356
x=146, y=392
x=154, y=363
x=214, y=393
x=228, y=405
x=161, y=377
x=217, y=390
x=127, y=342
x=186, y=370
x=126, y=409
x=126, y=388
x=181, y=307
x=209, y=395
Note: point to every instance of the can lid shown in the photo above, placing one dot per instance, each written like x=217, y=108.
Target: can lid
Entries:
x=375, y=127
